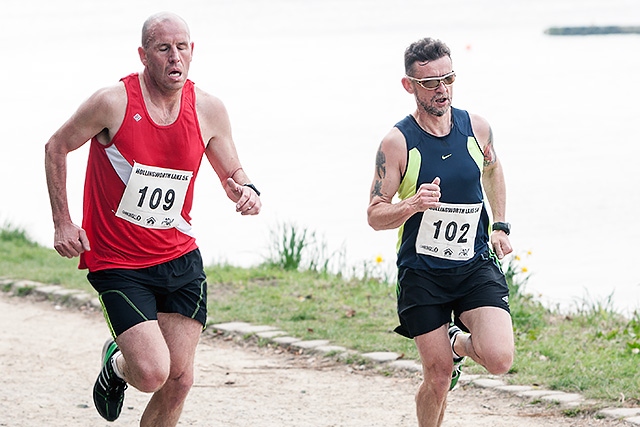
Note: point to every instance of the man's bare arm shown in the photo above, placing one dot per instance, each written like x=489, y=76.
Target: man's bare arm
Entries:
x=223, y=156
x=382, y=213
x=96, y=115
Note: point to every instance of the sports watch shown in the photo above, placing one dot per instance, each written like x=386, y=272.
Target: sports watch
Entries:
x=502, y=226
x=253, y=187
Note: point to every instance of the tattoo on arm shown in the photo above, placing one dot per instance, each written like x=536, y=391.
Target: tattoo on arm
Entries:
x=381, y=172
x=376, y=189
x=489, y=152
x=381, y=168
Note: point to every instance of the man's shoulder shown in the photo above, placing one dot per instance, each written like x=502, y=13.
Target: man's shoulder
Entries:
x=395, y=141
x=113, y=95
x=209, y=107
x=479, y=123
x=206, y=99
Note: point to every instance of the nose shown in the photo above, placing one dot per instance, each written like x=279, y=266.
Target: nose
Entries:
x=441, y=85
x=174, y=57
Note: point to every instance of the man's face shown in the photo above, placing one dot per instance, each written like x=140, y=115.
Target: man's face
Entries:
x=168, y=55
x=435, y=101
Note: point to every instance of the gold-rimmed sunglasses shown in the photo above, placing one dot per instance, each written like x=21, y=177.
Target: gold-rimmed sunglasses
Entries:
x=431, y=83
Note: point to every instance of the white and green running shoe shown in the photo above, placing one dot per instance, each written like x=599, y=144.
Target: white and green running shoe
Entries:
x=108, y=391
x=457, y=361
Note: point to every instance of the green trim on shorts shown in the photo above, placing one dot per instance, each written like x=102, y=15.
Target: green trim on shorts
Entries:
x=496, y=260
x=106, y=314
x=201, y=297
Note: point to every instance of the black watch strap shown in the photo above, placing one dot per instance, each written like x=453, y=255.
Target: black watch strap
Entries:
x=502, y=226
x=253, y=187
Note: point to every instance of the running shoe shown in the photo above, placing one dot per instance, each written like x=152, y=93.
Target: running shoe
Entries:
x=108, y=391
x=457, y=361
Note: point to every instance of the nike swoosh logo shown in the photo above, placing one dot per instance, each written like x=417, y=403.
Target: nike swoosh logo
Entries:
x=445, y=157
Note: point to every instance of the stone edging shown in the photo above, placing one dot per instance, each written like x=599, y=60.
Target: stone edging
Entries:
x=78, y=298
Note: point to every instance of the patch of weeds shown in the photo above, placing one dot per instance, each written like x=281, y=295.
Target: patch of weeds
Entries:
x=23, y=291
x=572, y=412
x=262, y=342
x=301, y=317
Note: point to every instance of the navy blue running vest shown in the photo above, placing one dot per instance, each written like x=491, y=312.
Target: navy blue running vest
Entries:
x=458, y=160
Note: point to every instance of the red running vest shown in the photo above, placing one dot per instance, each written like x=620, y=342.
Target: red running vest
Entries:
x=116, y=242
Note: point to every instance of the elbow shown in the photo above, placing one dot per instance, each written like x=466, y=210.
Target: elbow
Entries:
x=373, y=221
x=375, y=225
x=50, y=149
x=48, y=153
x=47, y=149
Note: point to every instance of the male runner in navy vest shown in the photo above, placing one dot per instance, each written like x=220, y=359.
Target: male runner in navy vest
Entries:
x=438, y=160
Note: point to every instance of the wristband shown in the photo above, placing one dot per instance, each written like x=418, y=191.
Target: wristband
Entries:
x=502, y=226
x=253, y=187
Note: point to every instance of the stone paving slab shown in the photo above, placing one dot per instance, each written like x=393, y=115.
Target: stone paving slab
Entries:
x=409, y=365
x=286, y=340
x=537, y=393
x=231, y=326
x=331, y=349
x=309, y=344
x=488, y=382
x=382, y=356
x=271, y=334
x=621, y=412
x=563, y=398
x=514, y=388
x=633, y=420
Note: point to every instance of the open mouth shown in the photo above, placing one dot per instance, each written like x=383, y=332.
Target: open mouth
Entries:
x=175, y=74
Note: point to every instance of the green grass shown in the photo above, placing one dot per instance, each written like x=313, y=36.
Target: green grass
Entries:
x=20, y=258
x=354, y=313
x=592, y=350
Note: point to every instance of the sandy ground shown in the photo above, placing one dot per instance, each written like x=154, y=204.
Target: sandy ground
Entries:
x=49, y=359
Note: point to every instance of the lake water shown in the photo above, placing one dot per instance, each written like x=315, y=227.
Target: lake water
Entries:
x=313, y=85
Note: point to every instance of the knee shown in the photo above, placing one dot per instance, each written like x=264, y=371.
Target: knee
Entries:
x=499, y=362
x=151, y=378
x=435, y=384
x=176, y=390
x=181, y=384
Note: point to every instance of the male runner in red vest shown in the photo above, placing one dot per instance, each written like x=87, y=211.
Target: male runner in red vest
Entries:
x=148, y=134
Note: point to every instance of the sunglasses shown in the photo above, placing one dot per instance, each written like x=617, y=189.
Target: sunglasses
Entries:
x=431, y=83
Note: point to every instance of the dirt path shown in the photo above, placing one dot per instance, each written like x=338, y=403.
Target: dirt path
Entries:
x=49, y=358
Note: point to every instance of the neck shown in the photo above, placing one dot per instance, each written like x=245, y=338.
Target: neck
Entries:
x=435, y=125
x=163, y=106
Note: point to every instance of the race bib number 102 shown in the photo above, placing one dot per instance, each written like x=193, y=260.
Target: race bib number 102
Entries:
x=154, y=197
x=449, y=231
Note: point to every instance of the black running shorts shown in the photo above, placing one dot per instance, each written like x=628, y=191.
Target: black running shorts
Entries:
x=129, y=297
x=427, y=300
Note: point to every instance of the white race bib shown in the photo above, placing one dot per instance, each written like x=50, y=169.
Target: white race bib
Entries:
x=154, y=196
x=449, y=231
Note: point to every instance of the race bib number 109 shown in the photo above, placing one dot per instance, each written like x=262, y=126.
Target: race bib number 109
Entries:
x=449, y=231
x=154, y=197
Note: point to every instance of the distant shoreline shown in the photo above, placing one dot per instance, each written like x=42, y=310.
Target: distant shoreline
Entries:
x=591, y=30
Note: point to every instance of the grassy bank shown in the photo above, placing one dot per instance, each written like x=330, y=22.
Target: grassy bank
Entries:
x=592, y=350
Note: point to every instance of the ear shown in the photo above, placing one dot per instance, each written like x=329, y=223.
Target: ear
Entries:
x=143, y=56
x=408, y=85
